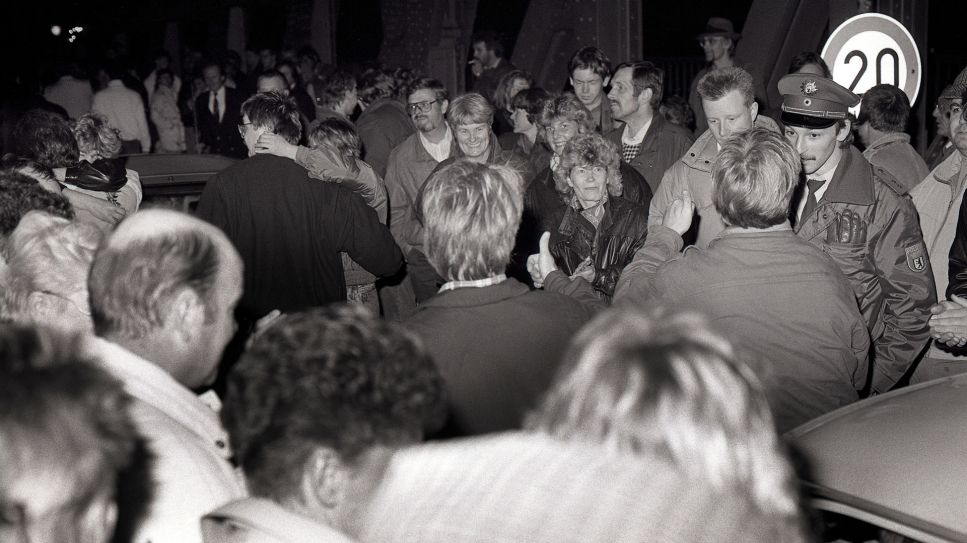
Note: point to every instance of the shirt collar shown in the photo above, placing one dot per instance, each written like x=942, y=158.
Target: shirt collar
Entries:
x=150, y=384
x=476, y=283
x=637, y=137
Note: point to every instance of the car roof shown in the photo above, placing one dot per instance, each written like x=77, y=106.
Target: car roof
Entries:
x=904, y=452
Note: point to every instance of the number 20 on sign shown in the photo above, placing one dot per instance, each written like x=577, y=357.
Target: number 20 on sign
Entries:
x=872, y=49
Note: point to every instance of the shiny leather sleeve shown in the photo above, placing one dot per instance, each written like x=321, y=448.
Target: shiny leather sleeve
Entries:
x=103, y=175
x=957, y=264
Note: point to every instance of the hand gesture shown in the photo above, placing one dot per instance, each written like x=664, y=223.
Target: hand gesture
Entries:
x=541, y=264
x=847, y=228
x=678, y=216
x=948, y=323
x=275, y=144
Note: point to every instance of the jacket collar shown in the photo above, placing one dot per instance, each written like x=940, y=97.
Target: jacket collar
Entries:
x=470, y=297
x=950, y=171
x=153, y=386
x=887, y=139
x=852, y=182
x=654, y=132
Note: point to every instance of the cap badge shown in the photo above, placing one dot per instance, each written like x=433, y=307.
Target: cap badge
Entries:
x=809, y=87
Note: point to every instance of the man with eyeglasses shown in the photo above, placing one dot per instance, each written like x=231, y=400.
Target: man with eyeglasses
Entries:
x=289, y=229
x=937, y=200
x=412, y=161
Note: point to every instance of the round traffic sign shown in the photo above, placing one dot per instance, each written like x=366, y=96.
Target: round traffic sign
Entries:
x=871, y=49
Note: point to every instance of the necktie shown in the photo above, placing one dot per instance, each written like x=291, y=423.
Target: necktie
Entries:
x=813, y=185
x=215, y=107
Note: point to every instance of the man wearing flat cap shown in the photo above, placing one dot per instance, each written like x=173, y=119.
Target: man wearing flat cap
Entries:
x=862, y=218
x=718, y=43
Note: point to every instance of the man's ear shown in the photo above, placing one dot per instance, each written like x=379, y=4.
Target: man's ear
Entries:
x=645, y=96
x=754, y=110
x=40, y=303
x=187, y=316
x=322, y=480
x=843, y=133
x=571, y=80
x=444, y=106
x=605, y=81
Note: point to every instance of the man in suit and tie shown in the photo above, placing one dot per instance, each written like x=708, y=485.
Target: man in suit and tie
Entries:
x=218, y=116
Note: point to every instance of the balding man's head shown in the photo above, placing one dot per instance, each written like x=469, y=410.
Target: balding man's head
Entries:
x=164, y=274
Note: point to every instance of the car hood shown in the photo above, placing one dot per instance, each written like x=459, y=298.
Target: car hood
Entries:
x=902, y=454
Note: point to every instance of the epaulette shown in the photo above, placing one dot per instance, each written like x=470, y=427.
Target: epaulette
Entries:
x=887, y=179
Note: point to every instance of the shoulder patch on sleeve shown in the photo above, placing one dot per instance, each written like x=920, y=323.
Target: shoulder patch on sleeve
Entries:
x=916, y=258
x=887, y=179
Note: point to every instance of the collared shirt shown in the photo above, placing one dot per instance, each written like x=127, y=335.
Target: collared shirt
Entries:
x=827, y=177
x=220, y=93
x=627, y=138
x=191, y=469
x=476, y=283
x=124, y=110
x=439, y=151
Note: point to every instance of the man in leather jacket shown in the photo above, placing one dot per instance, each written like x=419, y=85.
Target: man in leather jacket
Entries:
x=881, y=251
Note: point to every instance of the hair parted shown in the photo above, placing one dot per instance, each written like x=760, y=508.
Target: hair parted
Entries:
x=471, y=214
x=470, y=108
x=588, y=149
x=667, y=384
x=645, y=75
x=336, y=377
x=717, y=83
x=754, y=177
x=276, y=113
x=590, y=58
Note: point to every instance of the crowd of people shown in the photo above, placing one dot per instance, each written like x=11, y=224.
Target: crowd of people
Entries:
x=511, y=314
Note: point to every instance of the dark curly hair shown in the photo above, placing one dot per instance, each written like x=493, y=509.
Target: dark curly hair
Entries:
x=335, y=377
x=20, y=194
x=46, y=138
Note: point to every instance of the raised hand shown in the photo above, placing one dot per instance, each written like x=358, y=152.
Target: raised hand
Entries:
x=542, y=263
x=679, y=215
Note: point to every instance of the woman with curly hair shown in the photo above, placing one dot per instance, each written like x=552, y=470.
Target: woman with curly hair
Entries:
x=98, y=141
x=600, y=231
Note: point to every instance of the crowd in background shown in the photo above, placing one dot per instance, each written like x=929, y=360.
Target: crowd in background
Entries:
x=584, y=313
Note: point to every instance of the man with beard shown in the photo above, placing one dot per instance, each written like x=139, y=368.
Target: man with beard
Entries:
x=647, y=142
x=860, y=216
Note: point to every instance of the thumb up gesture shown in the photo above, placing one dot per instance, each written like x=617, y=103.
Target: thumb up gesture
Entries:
x=541, y=264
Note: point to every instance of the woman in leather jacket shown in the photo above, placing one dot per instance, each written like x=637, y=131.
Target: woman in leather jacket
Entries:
x=599, y=231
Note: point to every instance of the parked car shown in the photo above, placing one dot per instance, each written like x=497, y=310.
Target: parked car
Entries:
x=174, y=179
x=892, y=463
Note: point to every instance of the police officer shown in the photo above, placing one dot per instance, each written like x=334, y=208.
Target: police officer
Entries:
x=860, y=216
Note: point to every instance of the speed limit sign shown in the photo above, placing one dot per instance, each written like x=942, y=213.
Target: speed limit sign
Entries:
x=872, y=49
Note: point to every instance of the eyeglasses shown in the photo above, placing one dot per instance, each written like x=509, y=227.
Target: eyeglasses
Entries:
x=422, y=107
x=241, y=128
